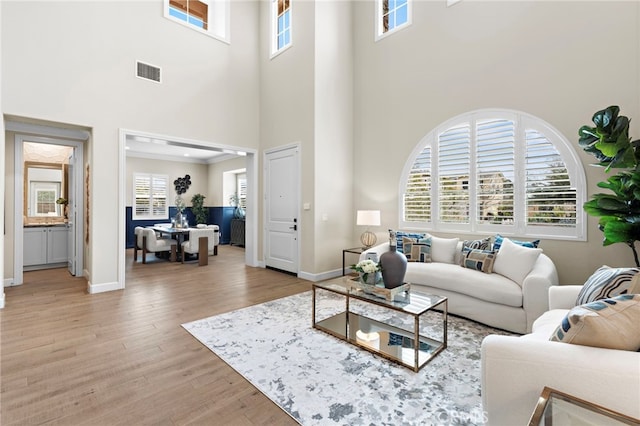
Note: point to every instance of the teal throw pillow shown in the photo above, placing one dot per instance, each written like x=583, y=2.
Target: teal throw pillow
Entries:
x=497, y=242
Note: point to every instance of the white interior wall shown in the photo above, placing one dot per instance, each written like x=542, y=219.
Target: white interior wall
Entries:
x=91, y=81
x=287, y=110
x=544, y=58
x=174, y=170
x=333, y=148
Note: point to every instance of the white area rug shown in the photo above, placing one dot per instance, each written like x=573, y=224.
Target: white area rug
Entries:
x=321, y=380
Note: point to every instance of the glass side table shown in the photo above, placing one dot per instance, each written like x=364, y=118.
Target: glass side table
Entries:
x=354, y=250
x=556, y=408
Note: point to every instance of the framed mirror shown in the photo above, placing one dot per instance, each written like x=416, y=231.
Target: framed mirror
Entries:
x=44, y=184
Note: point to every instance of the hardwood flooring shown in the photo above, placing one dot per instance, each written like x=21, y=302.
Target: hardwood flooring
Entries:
x=122, y=358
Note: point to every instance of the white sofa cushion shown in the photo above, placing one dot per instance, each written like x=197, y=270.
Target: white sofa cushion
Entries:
x=489, y=287
x=443, y=249
x=515, y=261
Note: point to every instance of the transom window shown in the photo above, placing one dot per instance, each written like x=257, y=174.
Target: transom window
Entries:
x=392, y=15
x=150, y=196
x=207, y=16
x=495, y=171
x=281, y=25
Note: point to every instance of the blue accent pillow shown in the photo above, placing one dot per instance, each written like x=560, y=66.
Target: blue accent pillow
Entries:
x=497, y=242
x=399, y=234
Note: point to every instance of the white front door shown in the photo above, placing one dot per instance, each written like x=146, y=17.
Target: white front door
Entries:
x=282, y=178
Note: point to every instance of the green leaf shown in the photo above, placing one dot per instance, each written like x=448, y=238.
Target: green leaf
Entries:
x=604, y=118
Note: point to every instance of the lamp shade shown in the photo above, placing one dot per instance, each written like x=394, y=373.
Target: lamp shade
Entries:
x=368, y=217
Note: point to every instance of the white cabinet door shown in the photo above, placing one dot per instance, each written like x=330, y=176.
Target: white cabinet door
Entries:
x=35, y=246
x=57, y=251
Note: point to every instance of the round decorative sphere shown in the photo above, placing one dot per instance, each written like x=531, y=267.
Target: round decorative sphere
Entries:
x=368, y=239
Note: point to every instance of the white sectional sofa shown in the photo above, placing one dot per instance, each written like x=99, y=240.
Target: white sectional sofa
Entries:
x=516, y=369
x=489, y=298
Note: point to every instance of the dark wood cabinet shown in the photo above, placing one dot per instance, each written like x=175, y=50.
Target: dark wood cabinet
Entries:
x=237, y=232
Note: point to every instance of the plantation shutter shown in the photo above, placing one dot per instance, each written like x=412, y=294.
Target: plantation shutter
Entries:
x=551, y=200
x=495, y=142
x=150, y=196
x=159, y=196
x=142, y=196
x=454, y=169
x=417, y=197
x=242, y=189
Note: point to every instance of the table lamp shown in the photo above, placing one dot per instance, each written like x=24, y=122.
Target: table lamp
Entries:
x=368, y=218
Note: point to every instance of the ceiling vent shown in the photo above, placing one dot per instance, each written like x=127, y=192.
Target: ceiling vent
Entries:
x=148, y=72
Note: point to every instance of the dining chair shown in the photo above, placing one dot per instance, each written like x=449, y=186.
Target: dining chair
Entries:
x=201, y=242
x=152, y=244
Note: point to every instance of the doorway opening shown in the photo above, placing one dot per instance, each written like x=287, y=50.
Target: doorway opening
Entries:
x=146, y=151
x=42, y=234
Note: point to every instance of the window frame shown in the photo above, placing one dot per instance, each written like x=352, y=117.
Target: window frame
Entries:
x=521, y=227
x=379, y=23
x=275, y=51
x=218, y=23
x=150, y=216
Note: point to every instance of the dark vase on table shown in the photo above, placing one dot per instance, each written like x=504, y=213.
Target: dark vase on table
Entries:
x=393, y=263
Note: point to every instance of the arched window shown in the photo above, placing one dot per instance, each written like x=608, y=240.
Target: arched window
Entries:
x=495, y=171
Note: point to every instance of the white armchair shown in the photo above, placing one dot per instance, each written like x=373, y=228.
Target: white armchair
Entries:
x=202, y=242
x=516, y=369
x=152, y=244
x=137, y=243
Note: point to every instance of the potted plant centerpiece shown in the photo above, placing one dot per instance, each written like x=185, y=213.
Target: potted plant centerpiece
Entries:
x=370, y=272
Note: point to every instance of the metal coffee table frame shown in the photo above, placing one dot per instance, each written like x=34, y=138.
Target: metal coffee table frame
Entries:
x=347, y=325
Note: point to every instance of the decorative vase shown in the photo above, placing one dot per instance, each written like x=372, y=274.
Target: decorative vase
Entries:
x=371, y=278
x=178, y=220
x=239, y=212
x=393, y=263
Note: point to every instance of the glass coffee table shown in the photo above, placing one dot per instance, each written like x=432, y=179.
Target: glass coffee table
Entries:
x=404, y=344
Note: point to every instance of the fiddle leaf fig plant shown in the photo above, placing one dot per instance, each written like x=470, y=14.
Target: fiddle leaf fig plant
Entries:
x=619, y=211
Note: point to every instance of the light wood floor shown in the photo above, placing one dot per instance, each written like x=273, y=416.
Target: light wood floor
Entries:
x=122, y=358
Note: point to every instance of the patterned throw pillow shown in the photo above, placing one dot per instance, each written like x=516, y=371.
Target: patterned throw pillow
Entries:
x=607, y=323
x=400, y=235
x=417, y=250
x=608, y=282
x=483, y=244
x=480, y=260
x=498, y=239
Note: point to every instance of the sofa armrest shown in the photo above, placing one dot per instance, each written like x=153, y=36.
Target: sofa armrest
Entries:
x=535, y=289
x=379, y=249
x=563, y=296
x=607, y=377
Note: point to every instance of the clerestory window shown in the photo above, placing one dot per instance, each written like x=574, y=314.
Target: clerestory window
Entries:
x=495, y=171
x=280, y=25
x=210, y=17
x=392, y=15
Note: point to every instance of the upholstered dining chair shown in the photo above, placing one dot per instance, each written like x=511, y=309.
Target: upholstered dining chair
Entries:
x=216, y=239
x=201, y=242
x=152, y=244
x=137, y=243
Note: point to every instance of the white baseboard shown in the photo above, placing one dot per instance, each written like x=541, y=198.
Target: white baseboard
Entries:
x=103, y=287
x=8, y=282
x=2, y=300
x=319, y=277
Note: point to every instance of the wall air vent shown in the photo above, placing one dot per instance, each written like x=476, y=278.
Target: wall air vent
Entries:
x=148, y=72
